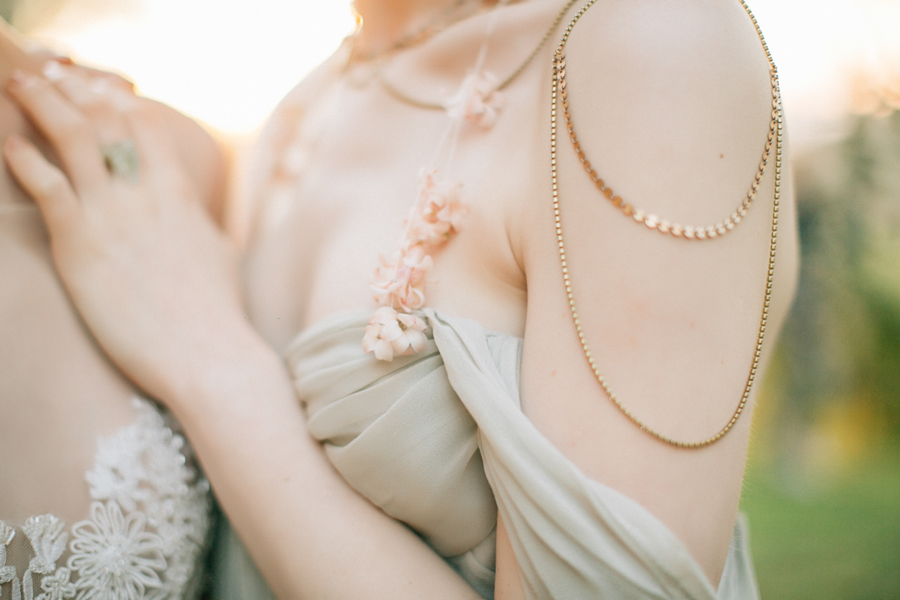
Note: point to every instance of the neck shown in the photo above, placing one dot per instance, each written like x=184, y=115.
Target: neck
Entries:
x=14, y=54
x=387, y=22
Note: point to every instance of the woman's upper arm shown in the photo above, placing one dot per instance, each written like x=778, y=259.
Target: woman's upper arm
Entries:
x=671, y=103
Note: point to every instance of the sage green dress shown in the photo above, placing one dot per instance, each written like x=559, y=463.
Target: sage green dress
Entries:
x=437, y=440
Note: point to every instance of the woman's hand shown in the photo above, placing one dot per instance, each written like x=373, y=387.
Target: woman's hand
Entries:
x=152, y=276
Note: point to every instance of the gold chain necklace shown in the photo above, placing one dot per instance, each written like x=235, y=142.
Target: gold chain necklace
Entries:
x=559, y=92
x=435, y=26
x=652, y=221
x=429, y=105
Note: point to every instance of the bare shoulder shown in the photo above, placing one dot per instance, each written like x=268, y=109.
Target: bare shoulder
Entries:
x=692, y=40
x=281, y=128
x=309, y=89
x=671, y=102
x=660, y=89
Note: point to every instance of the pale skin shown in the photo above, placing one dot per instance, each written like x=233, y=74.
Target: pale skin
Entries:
x=671, y=101
x=60, y=392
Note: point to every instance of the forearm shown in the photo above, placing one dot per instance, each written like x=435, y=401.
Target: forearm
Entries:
x=156, y=283
x=310, y=533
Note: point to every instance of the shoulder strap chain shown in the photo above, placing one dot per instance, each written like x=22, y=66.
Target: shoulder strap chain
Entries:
x=558, y=93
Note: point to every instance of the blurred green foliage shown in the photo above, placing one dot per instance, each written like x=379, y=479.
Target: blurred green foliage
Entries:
x=6, y=9
x=842, y=340
x=823, y=484
x=842, y=543
x=28, y=14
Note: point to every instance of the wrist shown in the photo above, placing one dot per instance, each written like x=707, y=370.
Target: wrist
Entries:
x=215, y=368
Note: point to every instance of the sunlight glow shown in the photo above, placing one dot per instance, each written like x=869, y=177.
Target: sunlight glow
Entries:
x=228, y=62
x=821, y=47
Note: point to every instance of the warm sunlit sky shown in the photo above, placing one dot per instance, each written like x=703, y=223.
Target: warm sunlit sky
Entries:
x=228, y=62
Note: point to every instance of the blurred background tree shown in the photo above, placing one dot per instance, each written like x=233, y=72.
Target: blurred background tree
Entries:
x=823, y=484
x=25, y=14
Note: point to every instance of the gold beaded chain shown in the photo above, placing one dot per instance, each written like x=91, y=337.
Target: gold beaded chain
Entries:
x=558, y=88
x=401, y=96
x=443, y=20
x=651, y=220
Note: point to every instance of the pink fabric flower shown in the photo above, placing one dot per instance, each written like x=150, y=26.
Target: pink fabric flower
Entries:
x=401, y=280
x=391, y=334
x=439, y=212
x=399, y=283
x=478, y=100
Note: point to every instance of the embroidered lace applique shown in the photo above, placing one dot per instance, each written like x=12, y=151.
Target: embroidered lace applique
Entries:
x=148, y=525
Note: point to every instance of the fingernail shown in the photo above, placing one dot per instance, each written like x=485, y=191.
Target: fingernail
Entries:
x=53, y=70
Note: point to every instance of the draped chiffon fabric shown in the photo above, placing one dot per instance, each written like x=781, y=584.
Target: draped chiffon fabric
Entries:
x=438, y=441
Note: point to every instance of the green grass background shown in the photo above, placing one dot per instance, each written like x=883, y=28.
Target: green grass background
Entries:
x=838, y=540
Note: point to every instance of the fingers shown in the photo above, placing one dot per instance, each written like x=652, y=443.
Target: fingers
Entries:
x=111, y=79
x=93, y=97
x=57, y=66
x=65, y=126
x=81, y=115
x=117, y=114
x=44, y=182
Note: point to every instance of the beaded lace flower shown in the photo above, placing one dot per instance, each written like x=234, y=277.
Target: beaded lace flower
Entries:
x=114, y=556
x=148, y=525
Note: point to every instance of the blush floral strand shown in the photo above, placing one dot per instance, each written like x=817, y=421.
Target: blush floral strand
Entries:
x=439, y=213
x=398, y=283
x=478, y=100
x=391, y=333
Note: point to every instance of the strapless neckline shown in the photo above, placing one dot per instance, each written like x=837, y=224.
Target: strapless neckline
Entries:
x=564, y=526
x=362, y=315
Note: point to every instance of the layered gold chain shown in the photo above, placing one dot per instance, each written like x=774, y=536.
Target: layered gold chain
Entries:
x=443, y=20
x=432, y=105
x=776, y=131
x=651, y=220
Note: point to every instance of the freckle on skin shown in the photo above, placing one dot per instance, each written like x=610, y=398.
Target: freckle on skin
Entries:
x=721, y=156
x=553, y=373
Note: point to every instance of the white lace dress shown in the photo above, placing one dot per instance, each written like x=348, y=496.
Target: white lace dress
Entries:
x=99, y=495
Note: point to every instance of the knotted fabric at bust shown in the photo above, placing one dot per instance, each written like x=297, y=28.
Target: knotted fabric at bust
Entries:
x=434, y=438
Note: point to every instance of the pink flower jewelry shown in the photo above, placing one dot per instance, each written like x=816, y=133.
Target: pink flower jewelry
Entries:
x=478, y=100
x=390, y=334
x=440, y=213
x=399, y=283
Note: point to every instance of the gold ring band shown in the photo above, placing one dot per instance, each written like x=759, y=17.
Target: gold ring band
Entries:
x=121, y=159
